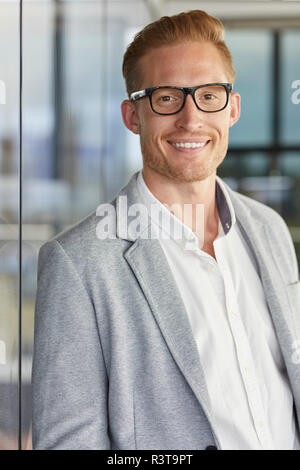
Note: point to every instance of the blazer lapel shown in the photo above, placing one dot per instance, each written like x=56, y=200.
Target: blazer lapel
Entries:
x=259, y=240
x=150, y=266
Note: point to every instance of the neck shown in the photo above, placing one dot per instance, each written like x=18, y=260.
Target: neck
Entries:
x=176, y=195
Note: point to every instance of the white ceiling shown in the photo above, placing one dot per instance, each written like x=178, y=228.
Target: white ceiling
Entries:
x=233, y=8
x=233, y=13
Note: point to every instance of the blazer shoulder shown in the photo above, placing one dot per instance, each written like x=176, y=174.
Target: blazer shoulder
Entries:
x=80, y=231
x=80, y=241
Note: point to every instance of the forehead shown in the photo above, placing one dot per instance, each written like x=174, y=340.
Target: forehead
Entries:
x=184, y=64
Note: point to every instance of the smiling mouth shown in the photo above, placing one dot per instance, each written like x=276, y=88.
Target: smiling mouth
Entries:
x=189, y=146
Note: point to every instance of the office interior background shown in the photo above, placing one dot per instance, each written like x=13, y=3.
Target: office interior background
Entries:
x=75, y=153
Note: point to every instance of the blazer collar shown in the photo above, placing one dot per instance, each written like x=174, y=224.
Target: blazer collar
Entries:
x=129, y=197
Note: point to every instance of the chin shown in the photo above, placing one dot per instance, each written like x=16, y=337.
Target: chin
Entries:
x=194, y=175
x=189, y=173
x=184, y=175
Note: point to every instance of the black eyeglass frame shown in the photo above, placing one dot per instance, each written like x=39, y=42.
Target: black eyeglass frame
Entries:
x=136, y=95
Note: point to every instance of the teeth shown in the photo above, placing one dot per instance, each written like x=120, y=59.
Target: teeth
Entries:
x=189, y=145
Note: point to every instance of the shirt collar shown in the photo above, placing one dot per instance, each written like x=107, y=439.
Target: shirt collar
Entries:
x=225, y=207
x=189, y=240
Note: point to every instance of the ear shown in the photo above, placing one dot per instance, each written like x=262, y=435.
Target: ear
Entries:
x=130, y=117
x=235, y=105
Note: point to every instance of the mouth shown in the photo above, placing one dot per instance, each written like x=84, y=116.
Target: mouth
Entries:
x=190, y=147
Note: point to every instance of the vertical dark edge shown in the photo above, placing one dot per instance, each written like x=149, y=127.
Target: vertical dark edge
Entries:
x=20, y=229
x=57, y=92
x=276, y=100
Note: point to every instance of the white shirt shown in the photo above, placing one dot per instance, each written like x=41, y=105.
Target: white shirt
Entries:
x=245, y=374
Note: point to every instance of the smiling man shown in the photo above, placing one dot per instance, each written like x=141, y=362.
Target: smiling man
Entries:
x=184, y=135
x=171, y=342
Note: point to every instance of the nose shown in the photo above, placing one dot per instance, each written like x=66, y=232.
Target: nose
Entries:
x=190, y=117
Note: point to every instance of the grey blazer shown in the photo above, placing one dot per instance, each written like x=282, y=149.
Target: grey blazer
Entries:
x=115, y=362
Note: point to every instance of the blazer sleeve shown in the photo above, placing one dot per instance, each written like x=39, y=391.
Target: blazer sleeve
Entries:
x=69, y=379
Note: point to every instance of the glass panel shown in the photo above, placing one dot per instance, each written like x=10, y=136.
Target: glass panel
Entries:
x=290, y=97
x=9, y=188
x=252, y=52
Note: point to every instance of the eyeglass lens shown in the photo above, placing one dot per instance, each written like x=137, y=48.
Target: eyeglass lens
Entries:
x=169, y=100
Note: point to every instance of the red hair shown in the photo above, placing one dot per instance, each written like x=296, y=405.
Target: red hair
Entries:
x=194, y=25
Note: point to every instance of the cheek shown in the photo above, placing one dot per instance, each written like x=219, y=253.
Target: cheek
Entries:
x=156, y=130
x=222, y=126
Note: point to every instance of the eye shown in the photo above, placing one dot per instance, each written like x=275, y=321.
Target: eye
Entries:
x=208, y=96
x=166, y=98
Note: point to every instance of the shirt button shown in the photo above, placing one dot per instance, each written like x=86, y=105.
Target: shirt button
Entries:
x=246, y=369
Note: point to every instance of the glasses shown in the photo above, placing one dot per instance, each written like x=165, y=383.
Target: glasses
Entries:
x=166, y=100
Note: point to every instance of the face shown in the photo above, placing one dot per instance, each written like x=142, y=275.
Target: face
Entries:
x=184, y=65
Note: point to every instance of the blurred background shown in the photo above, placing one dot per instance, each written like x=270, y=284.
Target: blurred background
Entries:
x=76, y=152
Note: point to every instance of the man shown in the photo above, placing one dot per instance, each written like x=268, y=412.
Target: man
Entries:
x=149, y=340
